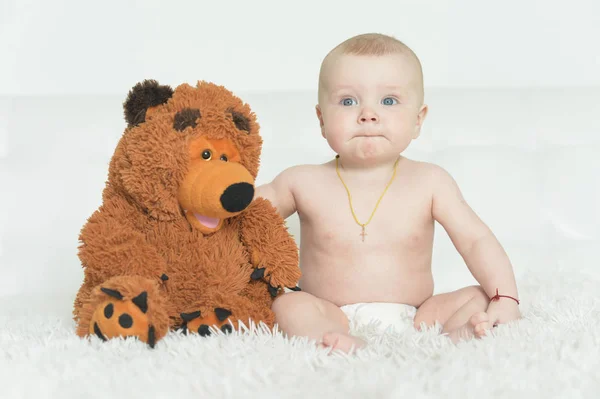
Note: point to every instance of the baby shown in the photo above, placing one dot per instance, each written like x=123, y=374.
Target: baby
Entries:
x=367, y=216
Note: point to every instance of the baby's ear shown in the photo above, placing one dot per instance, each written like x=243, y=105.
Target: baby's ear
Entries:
x=420, y=119
x=320, y=116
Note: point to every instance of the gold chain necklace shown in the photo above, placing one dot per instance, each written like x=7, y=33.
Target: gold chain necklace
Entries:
x=363, y=225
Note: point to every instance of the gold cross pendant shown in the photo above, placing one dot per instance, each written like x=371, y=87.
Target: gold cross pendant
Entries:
x=363, y=234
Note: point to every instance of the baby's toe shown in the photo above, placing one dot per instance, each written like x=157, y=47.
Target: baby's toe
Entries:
x=481, y=329
x=478, y=318
x=344, y=342
x=330, y=339
x=480, y=323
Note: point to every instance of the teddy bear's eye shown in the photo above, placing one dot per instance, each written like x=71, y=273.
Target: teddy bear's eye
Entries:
x=223, y=158
x=206, y=155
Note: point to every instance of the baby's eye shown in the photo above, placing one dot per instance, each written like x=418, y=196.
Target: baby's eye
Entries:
x=347, y=101
x=389, y=101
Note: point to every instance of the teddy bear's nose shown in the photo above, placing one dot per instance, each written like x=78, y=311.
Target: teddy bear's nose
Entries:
x=237, y=197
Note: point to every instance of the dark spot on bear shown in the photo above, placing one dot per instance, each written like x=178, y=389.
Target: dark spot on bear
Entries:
x=141, y=301
x=99, y=333
x=125, y=320
x=226, y=328
x=142, y=96
x=151, y=337
x=186, y=117
x=222, y=314
x=108, y=310
x=189, y=316
x=258, y=273
x=183, y=328
x=240, y=120
x=203, y=330
x=113, y=293
x=273, y=290
x=164, y=277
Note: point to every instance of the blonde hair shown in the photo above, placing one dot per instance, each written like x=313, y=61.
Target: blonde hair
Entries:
x=375, y=44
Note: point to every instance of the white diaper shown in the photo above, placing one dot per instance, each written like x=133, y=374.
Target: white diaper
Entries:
x=384, y=315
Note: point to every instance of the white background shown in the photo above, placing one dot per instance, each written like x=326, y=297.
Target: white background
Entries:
x=513, y=89
x=83, y=47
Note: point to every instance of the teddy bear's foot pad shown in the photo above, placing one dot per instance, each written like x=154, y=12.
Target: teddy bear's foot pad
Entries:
x=126, y=318
x=196, y=323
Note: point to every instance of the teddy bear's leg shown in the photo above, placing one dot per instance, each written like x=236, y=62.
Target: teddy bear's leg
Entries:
x=260, y=302
x=223, y=315
x=230, y=311
x=126, y=306
x=199, y=322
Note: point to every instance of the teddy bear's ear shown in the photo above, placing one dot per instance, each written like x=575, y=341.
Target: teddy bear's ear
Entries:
x=142, y=96
x=240, y=120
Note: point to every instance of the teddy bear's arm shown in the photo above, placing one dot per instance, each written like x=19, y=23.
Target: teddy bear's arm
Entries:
x=272, y=249
x=109, y=247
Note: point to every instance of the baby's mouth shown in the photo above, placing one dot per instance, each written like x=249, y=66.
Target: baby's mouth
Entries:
x=369, y=136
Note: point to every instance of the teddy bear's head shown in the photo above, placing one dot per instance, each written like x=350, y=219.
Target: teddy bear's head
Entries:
x=191, y=152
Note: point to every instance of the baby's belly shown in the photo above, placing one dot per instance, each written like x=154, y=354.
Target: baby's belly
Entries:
x=376, y=277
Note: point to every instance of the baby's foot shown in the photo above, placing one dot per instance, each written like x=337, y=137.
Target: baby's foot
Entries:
x=343, y=342
x=477, y=327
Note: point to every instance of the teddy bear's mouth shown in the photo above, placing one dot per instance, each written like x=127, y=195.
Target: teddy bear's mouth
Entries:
x=207, y=221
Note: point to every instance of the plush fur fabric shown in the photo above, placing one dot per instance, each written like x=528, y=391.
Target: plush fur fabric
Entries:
x=177, y=241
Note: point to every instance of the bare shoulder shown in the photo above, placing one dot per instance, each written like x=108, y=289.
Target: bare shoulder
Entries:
x=433, y=180
x=426, y=172
x=438, y=177
x=294, y=176
x=285, y=188
x=433, y=170
x=301, y=171
x=442, y=186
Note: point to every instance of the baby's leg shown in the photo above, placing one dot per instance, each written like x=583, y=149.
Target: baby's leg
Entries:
x=460, y=312
x=303, y=314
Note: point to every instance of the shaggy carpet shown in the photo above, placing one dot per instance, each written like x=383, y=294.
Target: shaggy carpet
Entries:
x=553, y=352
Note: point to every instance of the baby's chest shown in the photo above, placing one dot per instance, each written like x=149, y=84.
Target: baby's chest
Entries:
x=400, y=219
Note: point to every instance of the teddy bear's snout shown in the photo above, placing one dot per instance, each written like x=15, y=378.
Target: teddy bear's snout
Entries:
x=237, y=197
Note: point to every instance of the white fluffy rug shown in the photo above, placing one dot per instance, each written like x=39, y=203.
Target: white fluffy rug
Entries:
x=554, y=352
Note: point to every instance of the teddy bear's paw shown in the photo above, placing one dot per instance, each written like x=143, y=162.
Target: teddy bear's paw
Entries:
x=196, y=322
x=122, y=317
x=274, y=289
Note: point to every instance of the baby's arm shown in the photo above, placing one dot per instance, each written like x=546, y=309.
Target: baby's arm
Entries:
x=483, y=254
x=280, y=192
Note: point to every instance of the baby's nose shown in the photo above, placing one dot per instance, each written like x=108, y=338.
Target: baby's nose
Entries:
x=368, y=116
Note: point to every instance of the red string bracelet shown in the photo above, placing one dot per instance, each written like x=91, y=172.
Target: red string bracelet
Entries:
x=498, y=296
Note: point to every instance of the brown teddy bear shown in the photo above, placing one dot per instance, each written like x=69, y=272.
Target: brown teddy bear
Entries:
x=178, y=241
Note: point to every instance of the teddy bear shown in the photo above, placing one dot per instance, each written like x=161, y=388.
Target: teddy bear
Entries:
x=179, y=241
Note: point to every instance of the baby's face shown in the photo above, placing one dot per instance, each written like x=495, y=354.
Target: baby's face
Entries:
x=370, y=108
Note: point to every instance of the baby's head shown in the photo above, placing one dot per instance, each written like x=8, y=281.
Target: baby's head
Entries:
x=371, y=98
